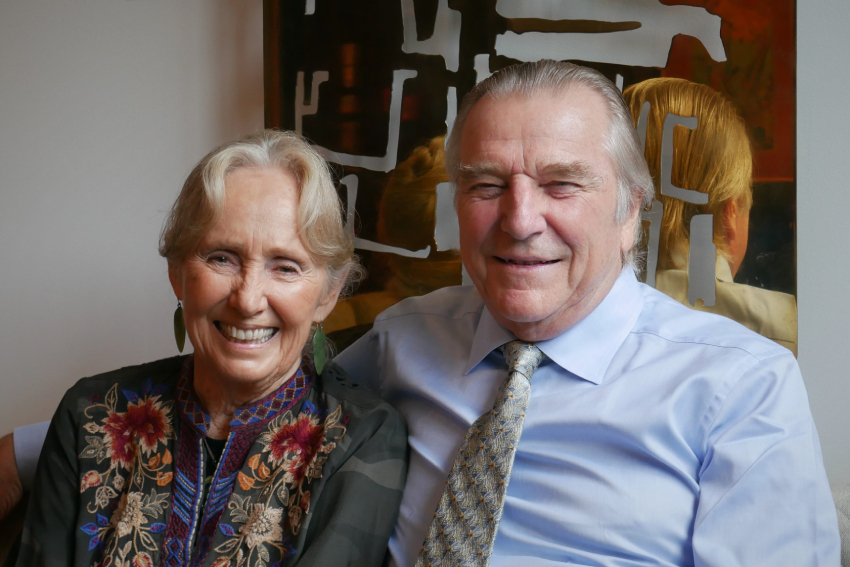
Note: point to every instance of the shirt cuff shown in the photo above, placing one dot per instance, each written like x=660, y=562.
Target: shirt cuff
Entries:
x=28, y=442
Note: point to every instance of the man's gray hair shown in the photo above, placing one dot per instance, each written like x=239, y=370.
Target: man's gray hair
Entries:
x=634, y=183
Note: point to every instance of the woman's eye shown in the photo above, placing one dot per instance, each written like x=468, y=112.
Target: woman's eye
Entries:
x=220, y=259
x=286, y=269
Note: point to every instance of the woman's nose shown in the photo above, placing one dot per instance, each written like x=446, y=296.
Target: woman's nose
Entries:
x=249, y=295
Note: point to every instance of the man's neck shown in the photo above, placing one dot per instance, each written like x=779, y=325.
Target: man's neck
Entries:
x=560, y=321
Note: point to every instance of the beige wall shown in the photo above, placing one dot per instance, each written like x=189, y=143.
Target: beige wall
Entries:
x=823, y=222
x=106, y=104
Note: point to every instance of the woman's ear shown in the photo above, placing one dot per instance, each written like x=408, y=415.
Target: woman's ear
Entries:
x=730, y=220
x=736, y=223
x=175, y=276
x=328, y=301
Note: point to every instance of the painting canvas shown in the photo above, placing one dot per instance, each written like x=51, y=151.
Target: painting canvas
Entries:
x=375, y=86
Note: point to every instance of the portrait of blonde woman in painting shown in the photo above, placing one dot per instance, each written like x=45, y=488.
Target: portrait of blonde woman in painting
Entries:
x=715, y=158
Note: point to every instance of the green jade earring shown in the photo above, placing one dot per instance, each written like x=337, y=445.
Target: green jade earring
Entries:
x=179, y=327
x=319, y=349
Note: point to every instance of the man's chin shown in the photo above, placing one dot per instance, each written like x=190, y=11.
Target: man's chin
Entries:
x=525, y=308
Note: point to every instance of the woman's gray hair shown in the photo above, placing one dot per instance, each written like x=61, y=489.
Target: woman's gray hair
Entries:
x=201, y=202
x=634, y=182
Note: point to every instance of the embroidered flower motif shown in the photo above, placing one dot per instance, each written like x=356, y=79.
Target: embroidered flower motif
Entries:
x=90, y=479
x=128, y=516
x=221, y=562
x=103, y=496
x=131, y=445
x=262, y=526
x=295, y=444
x=144, y=421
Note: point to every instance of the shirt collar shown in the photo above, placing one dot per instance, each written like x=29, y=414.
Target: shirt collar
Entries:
x=722, y=271
x=587, y=348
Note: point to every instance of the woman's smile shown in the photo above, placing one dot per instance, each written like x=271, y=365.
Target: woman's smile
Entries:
x=245, y=336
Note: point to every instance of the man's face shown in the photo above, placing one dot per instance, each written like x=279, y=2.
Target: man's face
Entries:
x=536, y=198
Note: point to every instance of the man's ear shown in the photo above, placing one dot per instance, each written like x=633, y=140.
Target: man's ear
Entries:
x=627, y=233
x=175, y=276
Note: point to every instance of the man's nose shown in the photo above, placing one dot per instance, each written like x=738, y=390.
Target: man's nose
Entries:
x=249, y=294
x=523, y=209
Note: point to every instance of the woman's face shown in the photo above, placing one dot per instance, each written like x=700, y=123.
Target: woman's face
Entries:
x=251, y=290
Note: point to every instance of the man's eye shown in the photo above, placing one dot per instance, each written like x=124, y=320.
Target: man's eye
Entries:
x=485, y=189
x=219, y=259
x=562, y=186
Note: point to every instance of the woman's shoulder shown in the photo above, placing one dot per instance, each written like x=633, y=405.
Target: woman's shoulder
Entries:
x=130, y=378
x=335, y=383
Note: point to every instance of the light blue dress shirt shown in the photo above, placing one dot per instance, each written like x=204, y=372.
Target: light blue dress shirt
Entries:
x=655, y=435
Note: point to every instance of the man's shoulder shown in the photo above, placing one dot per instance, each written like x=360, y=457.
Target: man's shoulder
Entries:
x=674, y=323
x=449, y=303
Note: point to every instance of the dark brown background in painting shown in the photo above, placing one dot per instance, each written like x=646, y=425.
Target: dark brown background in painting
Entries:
x=359, y=43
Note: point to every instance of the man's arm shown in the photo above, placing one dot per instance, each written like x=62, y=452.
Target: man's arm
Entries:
x=18, y=459
x=764, y=495
x=11, y=490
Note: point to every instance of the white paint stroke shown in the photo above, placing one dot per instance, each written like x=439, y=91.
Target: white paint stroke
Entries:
x=351, y=182
x=445, y=41
x=701, y=261
x=667, y=188
x=387, y=162
x=446, y=228
x=301, y=109
x=451, y=112
x=647, y=46
x=482, y=67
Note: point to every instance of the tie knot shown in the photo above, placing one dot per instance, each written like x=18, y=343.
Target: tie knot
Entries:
x=522, y=357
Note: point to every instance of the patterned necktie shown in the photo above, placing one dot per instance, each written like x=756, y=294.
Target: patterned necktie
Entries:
x=464, y=528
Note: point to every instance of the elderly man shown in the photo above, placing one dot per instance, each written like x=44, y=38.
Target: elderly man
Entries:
x=561, y=412
x=650, y=434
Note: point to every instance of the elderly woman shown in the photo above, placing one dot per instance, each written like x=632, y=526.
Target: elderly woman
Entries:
x=247, y=452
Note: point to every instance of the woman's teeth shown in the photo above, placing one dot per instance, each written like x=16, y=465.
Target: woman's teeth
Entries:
x=255, y=336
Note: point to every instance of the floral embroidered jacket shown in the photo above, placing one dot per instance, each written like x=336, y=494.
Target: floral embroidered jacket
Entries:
x=310, y=475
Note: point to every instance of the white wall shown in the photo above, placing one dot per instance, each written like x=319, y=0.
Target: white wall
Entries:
x=105, y=106
x=823, y=222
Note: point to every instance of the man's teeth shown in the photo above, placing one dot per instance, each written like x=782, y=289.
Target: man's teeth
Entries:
x=251, y=335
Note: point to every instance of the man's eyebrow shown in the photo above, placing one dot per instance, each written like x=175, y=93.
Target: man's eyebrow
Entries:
x=573, y=170
x=578, y=170
x=473, y=170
